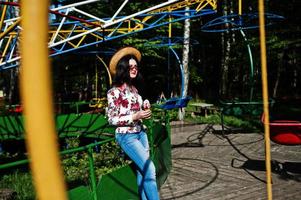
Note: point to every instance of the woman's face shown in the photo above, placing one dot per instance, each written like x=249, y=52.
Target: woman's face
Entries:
x=133, y=68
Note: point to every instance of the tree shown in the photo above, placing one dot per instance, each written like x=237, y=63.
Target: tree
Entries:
x=185, y=61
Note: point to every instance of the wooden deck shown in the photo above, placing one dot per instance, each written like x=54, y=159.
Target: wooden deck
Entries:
x=209, y=166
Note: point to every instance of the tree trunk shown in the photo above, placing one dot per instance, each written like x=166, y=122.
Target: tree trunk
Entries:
x=185, y=61
x=226, y=46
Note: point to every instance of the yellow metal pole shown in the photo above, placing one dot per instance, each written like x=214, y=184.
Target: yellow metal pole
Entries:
x=6, y=47
x=240, y=7
x=265, y=98
x=41, y=138
x=3, y=16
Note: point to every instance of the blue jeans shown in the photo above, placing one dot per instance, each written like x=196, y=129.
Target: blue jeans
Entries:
x=136, y=146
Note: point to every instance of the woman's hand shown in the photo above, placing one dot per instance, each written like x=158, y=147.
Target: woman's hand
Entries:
x=142, y=114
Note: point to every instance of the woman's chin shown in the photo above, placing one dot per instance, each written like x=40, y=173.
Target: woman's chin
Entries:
x=133, y=76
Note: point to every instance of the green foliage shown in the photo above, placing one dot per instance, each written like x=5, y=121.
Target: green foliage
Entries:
x=211, y=119
x=194, y=77
x=274, y=42
x=245, y=124
x=20, y=182
x=230, y=121
x=106, y=159
x=147, y=50
x=158, y=114
x=243, y=117
x=173, y=114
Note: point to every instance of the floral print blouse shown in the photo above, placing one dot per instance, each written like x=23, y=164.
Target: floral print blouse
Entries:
x=123, y=102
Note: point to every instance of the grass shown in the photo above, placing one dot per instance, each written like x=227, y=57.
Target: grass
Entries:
x=20, y=182
x=76, y=169
x=250, y=124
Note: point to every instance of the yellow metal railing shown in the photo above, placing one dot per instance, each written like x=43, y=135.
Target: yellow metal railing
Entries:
x=128, y=26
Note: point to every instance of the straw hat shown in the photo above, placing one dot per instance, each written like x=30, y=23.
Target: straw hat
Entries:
x=121, y=53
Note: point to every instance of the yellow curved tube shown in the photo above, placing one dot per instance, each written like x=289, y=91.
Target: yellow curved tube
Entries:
x=41, y=138
x=107, y=69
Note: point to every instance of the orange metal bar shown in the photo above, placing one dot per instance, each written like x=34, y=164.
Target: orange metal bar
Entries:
x=10, y=28
x=265, y=98
x=3, y=16
x=81, y=40
x=5, y=48
x=41, y=138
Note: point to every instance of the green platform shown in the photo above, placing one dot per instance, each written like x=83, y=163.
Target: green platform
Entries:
x=119, y=184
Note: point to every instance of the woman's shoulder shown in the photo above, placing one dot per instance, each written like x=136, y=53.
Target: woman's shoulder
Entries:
x=113, y=91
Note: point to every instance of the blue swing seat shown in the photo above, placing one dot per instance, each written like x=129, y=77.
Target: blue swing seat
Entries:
x=175, y=102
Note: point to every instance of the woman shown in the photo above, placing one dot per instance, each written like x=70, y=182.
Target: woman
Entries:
x=125, y=111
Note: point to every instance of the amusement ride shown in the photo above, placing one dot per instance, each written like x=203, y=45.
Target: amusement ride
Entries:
x=69, y=33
